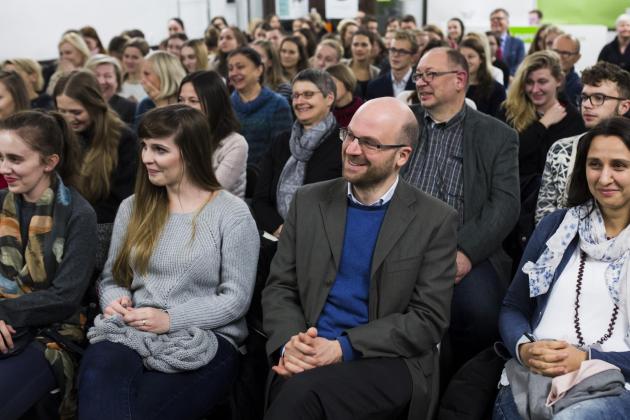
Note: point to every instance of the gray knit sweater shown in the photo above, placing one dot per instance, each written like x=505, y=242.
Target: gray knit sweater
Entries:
x=205, y=283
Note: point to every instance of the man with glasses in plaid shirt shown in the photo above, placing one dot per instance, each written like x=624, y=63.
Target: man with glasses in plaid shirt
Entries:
x=469, y=160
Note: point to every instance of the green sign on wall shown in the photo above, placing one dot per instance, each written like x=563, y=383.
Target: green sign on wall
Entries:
x=583, y=12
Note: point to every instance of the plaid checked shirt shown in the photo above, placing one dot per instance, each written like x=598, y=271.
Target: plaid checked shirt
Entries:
x=436, y=165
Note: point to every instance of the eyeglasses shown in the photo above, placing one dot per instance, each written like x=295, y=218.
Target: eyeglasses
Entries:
x=307, y=94
x=428, y=76
x=396, y=51
x=366, y=144
x=565, y=54
x=598, y=99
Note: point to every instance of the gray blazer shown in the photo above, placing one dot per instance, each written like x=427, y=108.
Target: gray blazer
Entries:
x=491, y=188
x=411, y=278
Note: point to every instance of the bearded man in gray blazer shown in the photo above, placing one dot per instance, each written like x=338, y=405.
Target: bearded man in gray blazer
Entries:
x=360, y=288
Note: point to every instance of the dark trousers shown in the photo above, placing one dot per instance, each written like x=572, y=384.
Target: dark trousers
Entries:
x=475, y=313
x=371, y=389
x=24, y=379
x=114, y=384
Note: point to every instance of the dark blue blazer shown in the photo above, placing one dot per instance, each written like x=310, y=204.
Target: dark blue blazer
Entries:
x=521, y=314
x=513, y=53
x=382, y=86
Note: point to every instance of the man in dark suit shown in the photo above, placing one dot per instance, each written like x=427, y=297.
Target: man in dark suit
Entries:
x=470, y=161
x=364, y=273
x=512, y=48
x=398, y=78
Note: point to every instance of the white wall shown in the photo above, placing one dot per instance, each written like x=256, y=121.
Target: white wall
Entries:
x=414, y=8
x=32, y=28
x=477, y=12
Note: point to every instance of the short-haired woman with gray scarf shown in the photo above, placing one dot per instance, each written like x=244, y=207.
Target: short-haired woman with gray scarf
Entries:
x=310, y=152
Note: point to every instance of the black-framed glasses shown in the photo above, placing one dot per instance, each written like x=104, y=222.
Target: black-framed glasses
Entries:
x=428, y=76
x=563, y=53
x=365, y=143
x=396, y=51
x=598, y=99
x=307, y=94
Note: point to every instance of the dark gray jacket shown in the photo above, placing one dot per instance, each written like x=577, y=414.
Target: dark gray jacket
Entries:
x=491, y=187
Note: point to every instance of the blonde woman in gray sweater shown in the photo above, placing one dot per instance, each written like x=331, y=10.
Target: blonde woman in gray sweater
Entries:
x=176, y=286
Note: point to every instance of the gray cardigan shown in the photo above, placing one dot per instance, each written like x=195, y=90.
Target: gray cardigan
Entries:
x=205, y=281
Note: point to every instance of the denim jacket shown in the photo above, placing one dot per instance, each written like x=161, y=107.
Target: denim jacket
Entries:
x=521, y=314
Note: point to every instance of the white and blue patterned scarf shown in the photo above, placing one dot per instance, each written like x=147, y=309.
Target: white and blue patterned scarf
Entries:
x=587, y=222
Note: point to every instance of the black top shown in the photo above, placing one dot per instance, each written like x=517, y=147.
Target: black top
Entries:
x=361, y=89
x=123, y=176
x=382, y=86
x=43, y=101
x=489, y=103
x=324, y=164
x=500, y=64
x=611, y=54
x=536, y=140
x=125, y=108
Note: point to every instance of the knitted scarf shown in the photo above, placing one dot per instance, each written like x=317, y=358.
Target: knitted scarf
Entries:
x=26, y=269
x=30, y=268
x=302, y=144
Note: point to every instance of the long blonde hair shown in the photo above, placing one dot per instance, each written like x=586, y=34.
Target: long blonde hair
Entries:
x=151, y=206
x=520, y=112
x=101, y=157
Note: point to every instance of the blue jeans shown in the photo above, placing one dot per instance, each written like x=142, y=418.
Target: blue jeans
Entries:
x=114, y=384
x=605, y=408
x=24, y=380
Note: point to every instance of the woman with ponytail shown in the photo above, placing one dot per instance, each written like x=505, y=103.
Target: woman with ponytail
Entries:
x=47, y=253
x=110, y=150
x=176, y=286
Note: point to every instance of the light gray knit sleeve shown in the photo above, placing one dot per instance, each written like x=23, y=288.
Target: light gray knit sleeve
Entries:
x=239, y=258
x=108, y=290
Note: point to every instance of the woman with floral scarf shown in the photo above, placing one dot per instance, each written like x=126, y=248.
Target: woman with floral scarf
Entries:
x=566, y=312
x=47, y=250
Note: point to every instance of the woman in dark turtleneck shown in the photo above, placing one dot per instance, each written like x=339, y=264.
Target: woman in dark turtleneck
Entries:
x=346, y=103
x=110, y=150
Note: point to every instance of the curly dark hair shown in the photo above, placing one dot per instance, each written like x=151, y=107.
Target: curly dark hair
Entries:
x=602, y=71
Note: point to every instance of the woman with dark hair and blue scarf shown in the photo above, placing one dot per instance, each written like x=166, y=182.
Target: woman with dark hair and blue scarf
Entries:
x=564, y=319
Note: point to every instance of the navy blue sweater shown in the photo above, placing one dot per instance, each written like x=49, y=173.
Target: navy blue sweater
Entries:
x=347, y=303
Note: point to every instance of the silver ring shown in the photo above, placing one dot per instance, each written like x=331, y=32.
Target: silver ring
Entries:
x=144, y=322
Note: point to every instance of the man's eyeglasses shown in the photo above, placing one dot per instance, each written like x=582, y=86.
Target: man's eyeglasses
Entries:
x=598, y=99
x=565, y=54
x=366, y=144
x=428, y=76
x=308, y=94
x=396, y=51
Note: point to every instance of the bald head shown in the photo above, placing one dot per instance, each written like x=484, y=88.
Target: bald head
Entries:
x=390, y=116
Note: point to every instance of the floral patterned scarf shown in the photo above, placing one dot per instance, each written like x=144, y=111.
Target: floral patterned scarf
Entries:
x=587, y=222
